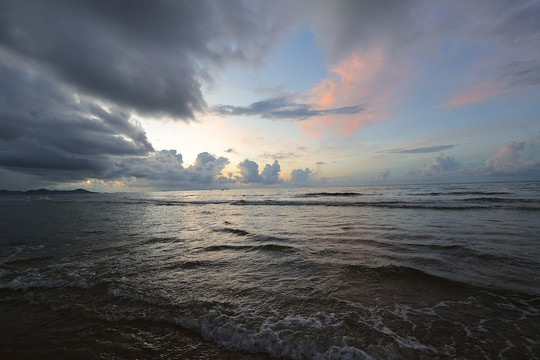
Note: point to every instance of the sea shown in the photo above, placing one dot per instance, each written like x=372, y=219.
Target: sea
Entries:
x=446, y=271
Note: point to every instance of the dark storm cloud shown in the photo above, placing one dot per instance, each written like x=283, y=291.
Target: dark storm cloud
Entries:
x=148, y=55
x=72, y=72
x=283, y=108
x=422, y=150
x=46, y=127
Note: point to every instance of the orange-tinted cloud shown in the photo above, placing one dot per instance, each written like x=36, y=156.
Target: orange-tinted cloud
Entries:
x=344, y=124
x=348, y=81
x=354, y=80
x=475, y=94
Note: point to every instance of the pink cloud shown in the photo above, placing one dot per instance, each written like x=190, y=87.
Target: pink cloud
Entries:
x=475, y=94
x=358, y=79
x=343, y=124
x=348, y=81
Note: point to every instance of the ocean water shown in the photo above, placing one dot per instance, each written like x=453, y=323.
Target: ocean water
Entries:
x=381, y=272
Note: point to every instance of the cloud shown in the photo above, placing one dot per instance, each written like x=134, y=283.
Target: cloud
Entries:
x=405, y=33
x=165, y=169
x=474, y=94
x=518, y=74
x=342, y=25
x=270, y=173
x=510, y=30
x=422, y=150
x=440, y=165
x=249, y=171
x=517, y=26
x=230, y=150
x=299, y=176
x=357, y=79
x=149, y=56
x=73, y=74
x=342, y=102
x=279, y=155
x=51, y=131
x=51, y=134
x=282, y=108
x=509, y=161
x=519, y=160
x=504, y=78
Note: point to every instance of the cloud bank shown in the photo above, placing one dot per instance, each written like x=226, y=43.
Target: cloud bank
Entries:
x=151, y=56
x=49, y=130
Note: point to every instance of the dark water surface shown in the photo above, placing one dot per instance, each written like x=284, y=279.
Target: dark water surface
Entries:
x=383, y=272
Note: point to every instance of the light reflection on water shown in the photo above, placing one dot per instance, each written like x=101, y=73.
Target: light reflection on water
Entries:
x=448, y=271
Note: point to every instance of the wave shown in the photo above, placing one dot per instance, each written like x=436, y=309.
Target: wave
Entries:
x=251, y=236
x=500, y=200
x=479, y=200
x=274, y=247
x=18, y=284
x=462, y=193
x=265, y=238
x=227, y=247
x=329, y=194
x=265, y=247
x=293, y=336
x=161, y=240
x=412, y=275
x=403, y=273
x=37, y=272
x=318, y=335
x=470, y=205
x=191, y=202
x=188, y=265
x=238, y=232
x=17, y=262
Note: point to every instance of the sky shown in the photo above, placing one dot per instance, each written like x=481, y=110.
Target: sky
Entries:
x=133, y=95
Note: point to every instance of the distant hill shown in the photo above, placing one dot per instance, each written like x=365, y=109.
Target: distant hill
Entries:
x=45, y=192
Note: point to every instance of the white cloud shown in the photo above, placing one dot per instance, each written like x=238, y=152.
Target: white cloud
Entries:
x=440, y=164
x=508, y=160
